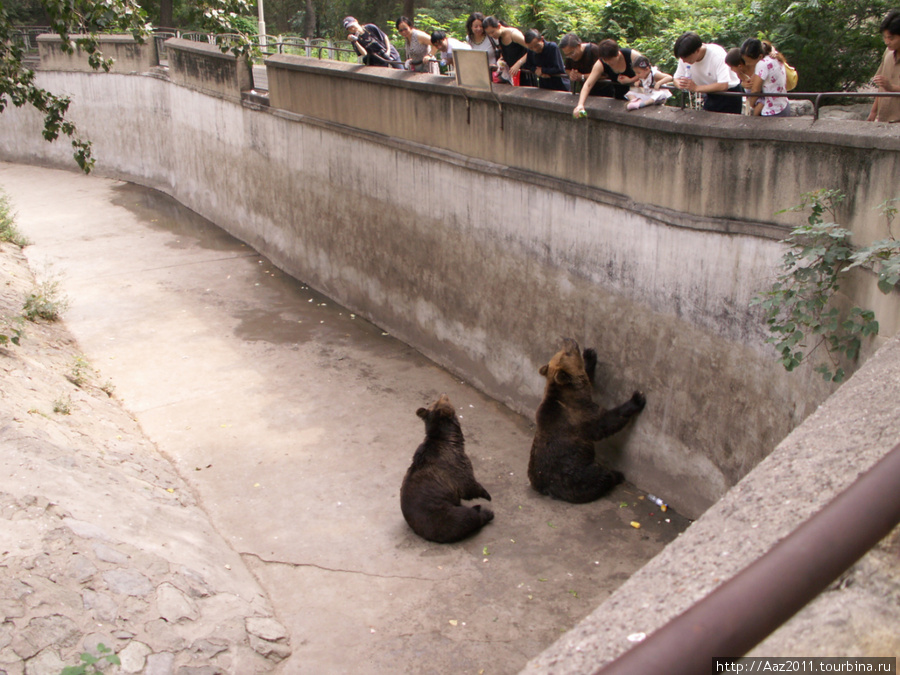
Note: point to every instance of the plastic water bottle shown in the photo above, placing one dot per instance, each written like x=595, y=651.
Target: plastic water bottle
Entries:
x=687, y=71
x=659, y=502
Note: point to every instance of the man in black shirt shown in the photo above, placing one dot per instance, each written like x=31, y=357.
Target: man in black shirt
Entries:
x=580, y=58
x=372, y=44
x=546, y=61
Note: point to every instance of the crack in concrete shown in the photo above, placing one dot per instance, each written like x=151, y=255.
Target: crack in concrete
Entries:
x=190, y=263
x=331, y=569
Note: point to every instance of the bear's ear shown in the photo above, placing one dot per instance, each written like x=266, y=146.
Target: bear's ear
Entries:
x=422, y=412
x=543, y=370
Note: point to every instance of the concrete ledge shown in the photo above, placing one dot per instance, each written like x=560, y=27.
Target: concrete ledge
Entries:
x=206, y=68
x=850, y=432
x=704, y=165
x=129, y=55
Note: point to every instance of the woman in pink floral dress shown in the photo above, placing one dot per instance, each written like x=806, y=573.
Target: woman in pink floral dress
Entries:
x=768, y=78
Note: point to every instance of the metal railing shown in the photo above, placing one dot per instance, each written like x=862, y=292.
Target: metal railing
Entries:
x=25, y=37
x=318, y=48
x=687, y=99
x=741, y=612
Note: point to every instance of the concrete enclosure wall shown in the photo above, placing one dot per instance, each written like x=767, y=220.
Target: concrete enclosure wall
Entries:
x=207, y=68
x=129, y=55
x=481, y=240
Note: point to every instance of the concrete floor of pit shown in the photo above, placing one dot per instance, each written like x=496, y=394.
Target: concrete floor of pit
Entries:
x=294, y=422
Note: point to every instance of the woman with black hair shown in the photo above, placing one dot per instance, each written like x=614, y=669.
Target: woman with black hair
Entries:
x=618, y=67
x=769, y=77
x=480, y=41
x=418, y=45
x=513, y=50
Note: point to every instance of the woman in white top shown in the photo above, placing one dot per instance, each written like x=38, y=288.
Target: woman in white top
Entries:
x=479, y=40
x=768, y=78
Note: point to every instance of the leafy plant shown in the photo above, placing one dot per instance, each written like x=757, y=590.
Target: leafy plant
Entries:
x=78, y=374
x=799, y=308
x=89, y=662
x=77, y=22
x=63, y=405
x=8, y=230
x=883, y=256
x=45, y=302
x=11, y=330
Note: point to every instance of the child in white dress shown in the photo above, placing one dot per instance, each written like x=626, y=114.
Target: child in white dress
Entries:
x=648, y=89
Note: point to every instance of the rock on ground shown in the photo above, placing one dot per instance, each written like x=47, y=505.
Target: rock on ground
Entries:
x=100, y=540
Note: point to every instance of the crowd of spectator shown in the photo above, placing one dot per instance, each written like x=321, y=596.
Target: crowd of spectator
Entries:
x=754, y=77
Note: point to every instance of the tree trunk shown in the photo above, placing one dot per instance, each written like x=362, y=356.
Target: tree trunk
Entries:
x=309, y=28
x=166, y=19
x=409, y=9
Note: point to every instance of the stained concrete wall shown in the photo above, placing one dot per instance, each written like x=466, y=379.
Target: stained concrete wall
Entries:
x=205, y=67
x=856, y=616
x=129, y=55
x=687, y=168
x=481, y=244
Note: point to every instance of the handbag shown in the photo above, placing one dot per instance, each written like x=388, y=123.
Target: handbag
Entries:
x=790, y=76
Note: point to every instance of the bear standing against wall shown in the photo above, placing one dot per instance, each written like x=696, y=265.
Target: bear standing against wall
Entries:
x=568, y=424
x=440, y=476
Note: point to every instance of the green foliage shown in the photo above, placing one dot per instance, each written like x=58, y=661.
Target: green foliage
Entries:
x=63, y=406
x=27, y=13
x=883, y=256
x=8, y=230
x=45, y=302
x=79, y=371
x=555, y=18
x=630, y=20
x=799, y=309
x=834, y=44
x=91, y=665
x=11, y=331
x=713, y=20
x=230, y=21
x=79, y=23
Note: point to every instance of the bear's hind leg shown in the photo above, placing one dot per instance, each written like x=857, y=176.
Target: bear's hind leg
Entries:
x=592, y=483
x=458, y=522
x=476, y=491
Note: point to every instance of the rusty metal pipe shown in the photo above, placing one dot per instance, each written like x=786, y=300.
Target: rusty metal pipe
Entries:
x=748, y=607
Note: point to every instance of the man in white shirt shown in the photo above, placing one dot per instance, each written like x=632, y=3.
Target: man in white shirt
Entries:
x=702, y=68
x=446, y=45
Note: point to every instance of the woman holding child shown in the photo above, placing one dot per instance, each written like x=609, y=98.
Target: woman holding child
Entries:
x=768, y=77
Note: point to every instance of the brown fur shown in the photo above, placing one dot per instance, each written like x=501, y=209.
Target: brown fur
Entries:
x=440, y=476
x=569, y=423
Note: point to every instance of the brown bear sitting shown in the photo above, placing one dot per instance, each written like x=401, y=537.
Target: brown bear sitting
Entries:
x=440, y=476
x=568, y=425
